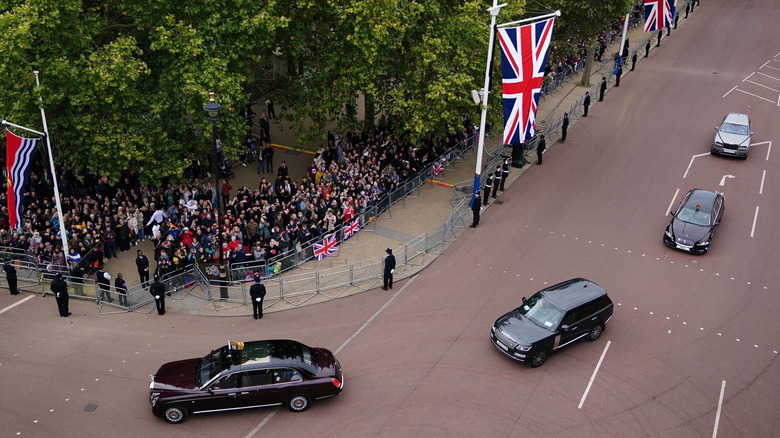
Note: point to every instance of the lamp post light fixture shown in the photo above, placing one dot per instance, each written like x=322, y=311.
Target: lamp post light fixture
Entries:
x=212, y=112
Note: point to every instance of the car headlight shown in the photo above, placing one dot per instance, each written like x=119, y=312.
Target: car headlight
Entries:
x=523, y=348
x=704, y=242
x=493, y=329
x=669, y=234
x=718, y=143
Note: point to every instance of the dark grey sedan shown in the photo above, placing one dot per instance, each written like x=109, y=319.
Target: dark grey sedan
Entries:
x=694, y=221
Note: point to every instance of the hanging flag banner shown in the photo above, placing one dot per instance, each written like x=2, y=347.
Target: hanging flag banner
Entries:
x=326, y=247
x=523, y=58
x=658, y=14
x=351, y=228
x=19, y=154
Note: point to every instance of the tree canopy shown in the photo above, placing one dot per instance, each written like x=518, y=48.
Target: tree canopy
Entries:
x=124, y=82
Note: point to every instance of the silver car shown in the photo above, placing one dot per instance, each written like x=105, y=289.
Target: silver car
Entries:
x=732, y=136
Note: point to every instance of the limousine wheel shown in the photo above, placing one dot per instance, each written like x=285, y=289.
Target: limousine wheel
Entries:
x=595, y=332
x=538, y=358
x=175, y=415
x=298, y=403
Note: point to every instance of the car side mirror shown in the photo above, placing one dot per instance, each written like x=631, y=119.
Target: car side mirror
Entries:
x=524, y=300
x=671, y=212
x=565, y=327
x=717, y=223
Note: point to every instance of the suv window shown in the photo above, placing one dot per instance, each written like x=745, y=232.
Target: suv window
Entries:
x=228, y=382
x=286, y=375
x=260, y=377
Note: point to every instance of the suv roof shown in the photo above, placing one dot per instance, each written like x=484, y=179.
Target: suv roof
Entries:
x=271, y=353
x=572, y=293
x=738, y=118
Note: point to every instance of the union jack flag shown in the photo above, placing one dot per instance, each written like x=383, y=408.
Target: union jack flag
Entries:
x=523, y=57
x=351, y=228
x=326, y=247
x=438, y=167
x=658, y=14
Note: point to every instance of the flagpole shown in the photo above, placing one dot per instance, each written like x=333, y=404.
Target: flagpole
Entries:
x=525, y=20
x=7, y=123
x=494, y=10
x=623, y=40
x=63, y=235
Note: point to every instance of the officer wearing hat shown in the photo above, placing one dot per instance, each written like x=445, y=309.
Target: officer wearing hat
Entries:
x=60, y=290
x=389, y=269
x=10, y=276
x=157, y=289
x=257, y=292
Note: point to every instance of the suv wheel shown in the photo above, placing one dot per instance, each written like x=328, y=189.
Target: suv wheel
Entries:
x=538, y=358
x=595, y=332
x=175, y=415
x=298, y=403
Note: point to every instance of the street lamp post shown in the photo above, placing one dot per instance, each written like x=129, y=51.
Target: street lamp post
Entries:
x=212, y=112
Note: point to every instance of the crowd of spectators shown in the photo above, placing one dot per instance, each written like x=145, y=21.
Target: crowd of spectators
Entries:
x=347, y=176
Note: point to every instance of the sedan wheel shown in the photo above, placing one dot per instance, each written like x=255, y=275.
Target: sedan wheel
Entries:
x=298, y=403
x=175, y=415
x=595, y=332
x=538, y=358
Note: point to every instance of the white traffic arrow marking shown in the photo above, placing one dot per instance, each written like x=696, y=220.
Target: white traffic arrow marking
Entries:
x=723, y=180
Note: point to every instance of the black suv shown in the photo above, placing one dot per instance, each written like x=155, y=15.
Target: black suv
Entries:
x=552, y=318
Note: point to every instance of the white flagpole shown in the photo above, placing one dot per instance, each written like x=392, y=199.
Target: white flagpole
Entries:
x=494, y=10
x=623, y=40
x=63, y=235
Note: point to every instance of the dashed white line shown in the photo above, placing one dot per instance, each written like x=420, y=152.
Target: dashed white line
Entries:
x=727, y=93
x=755, y=218
x=593, y=377
x=720, y=406
x=666, y=213
x=761, y=188
x=17, y=303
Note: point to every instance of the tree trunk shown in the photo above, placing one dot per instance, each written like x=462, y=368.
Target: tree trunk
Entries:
x=370, y=112
x=586, y=71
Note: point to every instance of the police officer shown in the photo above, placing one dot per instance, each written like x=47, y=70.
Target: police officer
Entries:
x=60, y=290
x=104, y=285
x=496, y=178
x=540, y=149
x=10, y=276
x=157, y=289
x=586, y=104
x=602, y=88
x=257, y=292
x=564, y=127
x=121, y=289
x=488, y=187
x=476, y=206
x=504, y=173
x=142, y=262
x=389, y=269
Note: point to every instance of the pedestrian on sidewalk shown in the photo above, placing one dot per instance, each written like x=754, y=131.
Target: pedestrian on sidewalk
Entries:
x=586, y=103
x=269, y=158
x=257, y=292
x=496, y=179
x=488, y=188
x=504, y=173
x=676, y=20
x=10, y=276
x=157, y=289
x=60, y=290
x=540, y=147
x=476, y=207
x=602, y=88
x=618, y=74
x=564, y=127
x=633, y=61
x=121, y=289
x=269, y=104
x=660, y=35
x=260, y=160
x=387, y=278
x=687, y=9
x=647, y=48
x=142, y=263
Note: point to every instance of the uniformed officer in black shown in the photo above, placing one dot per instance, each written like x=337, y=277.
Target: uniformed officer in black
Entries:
x=142, y=262
x=564, y=127
x=10, y=276
x=540, y=149
x=586, y=104
x=602, y=88
x=77, y=278
x=157, y=289
x=60, y=290
x=496, y=179
x=504, y=173
x=488, y=187
x=121, y=289
x=257, y=292
x=476, y=206
x=389, y=269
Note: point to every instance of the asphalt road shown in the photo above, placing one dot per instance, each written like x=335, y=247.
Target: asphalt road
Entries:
x=692, y=349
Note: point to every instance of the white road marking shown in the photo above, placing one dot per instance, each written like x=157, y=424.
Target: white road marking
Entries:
x=691, y=163
x=762, y=85
x=727, y=93
x=17, y=303
x=769, y=66
x=723, y=180
x=720, y=405
x=770, y=77
x=761, y=189
x=756, y=95
x=755, y=218
x=764, y=64
x=672, y=203
x=593, y=377
x=338, y=350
